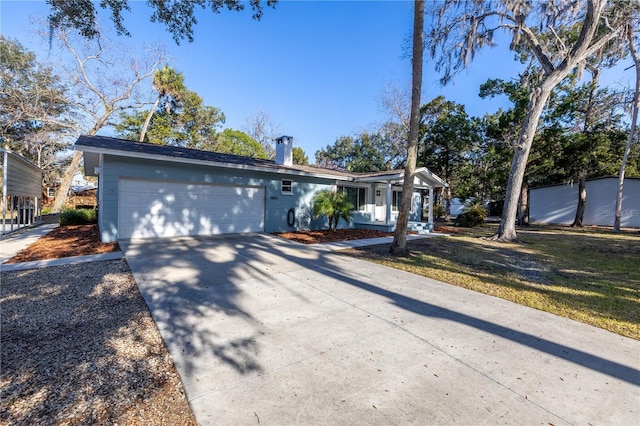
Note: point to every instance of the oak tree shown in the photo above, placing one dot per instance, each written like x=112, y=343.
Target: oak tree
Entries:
x=178, y=16
x=462, y=28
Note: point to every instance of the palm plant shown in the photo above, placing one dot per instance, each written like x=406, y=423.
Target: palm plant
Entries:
x=170, y=86
x=474, y=214
x=334, y=206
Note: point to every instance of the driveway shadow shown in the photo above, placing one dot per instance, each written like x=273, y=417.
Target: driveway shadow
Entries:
x=196, y=289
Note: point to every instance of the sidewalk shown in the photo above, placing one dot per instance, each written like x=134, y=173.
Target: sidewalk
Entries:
x=11, y=244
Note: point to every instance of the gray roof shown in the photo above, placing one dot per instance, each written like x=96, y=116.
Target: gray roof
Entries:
x=107, y=143
x=103, y=144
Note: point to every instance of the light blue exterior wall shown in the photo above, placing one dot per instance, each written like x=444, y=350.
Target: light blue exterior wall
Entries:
x=277, y=204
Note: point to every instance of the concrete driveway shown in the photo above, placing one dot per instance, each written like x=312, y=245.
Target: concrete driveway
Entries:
x=267, y=331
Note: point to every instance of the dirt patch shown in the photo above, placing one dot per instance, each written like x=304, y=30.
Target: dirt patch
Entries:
x=79, y=346
x=326, y=236
x=66, y=241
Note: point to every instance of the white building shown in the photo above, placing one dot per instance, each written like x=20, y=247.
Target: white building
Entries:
x=557, y=204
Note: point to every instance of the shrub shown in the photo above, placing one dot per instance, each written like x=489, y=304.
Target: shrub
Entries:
x=474, y=214
x=78, y=217
x=438, y=212
x=46, y=210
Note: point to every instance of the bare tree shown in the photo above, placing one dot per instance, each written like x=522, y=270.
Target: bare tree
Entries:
x=462, y=28
x=103, y=83
x=632, y=132
x=396, y=103
x=36, y=117
x=261, y=127
x=399, y=244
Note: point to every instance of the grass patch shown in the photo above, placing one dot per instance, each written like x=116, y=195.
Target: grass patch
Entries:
x=589, y=275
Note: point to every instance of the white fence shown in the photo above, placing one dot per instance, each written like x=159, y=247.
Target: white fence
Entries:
x=21, y=203
x=557, y=204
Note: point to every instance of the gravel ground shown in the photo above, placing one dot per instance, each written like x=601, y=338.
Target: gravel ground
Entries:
x=79, y=346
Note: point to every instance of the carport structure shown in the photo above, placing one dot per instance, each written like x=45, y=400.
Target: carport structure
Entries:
x=21, y=192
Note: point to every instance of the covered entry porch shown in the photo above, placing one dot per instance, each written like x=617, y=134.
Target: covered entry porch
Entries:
x=385, y=196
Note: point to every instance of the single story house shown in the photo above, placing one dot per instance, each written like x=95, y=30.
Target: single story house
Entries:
x=557, y=204
x=149, y=191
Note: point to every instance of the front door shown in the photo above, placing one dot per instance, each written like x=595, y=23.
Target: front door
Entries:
x=380, y=205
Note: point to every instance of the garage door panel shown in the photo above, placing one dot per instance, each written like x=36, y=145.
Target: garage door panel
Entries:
x=150, y=209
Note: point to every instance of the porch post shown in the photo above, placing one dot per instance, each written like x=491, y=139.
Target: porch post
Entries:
x=372, y=201
x=430, y=218
x=388, y=199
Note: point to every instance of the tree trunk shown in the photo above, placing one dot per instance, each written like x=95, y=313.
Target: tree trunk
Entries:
x=143, y=132
x=523, y=203
x=65, y=185
x=582, y=173
x=399, y=245
x=582, y=48
x=582, y=200
x=632, y=133
x=63, y=190
x=447, y=201
x=507, y=229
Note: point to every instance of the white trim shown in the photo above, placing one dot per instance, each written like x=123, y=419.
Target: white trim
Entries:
x=101, y=195
x=282, y=186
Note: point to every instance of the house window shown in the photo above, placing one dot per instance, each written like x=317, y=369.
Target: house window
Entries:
x=355, y=195
x=51, y=192
x=378, y=193
x=287, y=187
x=396, y=201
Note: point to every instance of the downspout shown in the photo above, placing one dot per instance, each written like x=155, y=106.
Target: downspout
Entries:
x=4, y=191
x=100, y=196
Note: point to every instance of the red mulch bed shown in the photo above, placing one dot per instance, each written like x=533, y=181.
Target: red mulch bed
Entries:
x=66, y=241
x=326, y=236
x=444, y=229
x=82, y=240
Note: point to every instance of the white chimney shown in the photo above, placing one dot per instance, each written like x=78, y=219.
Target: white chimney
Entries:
x=284, y=150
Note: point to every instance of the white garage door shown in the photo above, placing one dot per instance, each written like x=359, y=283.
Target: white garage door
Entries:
x=150, y=208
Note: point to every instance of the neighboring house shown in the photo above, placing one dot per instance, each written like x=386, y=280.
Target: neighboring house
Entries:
x=557, y=204
x=147, y=191
x=49, y=194
x=84, y=197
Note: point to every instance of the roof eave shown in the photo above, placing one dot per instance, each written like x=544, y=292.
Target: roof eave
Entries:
x=275, y=169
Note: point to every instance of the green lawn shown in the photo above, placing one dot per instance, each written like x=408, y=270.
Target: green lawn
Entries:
x=589, y=275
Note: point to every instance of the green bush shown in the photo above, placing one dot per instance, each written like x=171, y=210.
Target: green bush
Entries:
x=78, y=217
x=474, y=214
x=46, y=210
x=438, y=212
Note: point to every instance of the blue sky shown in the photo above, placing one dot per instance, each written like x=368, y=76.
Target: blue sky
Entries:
x=317, y=68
